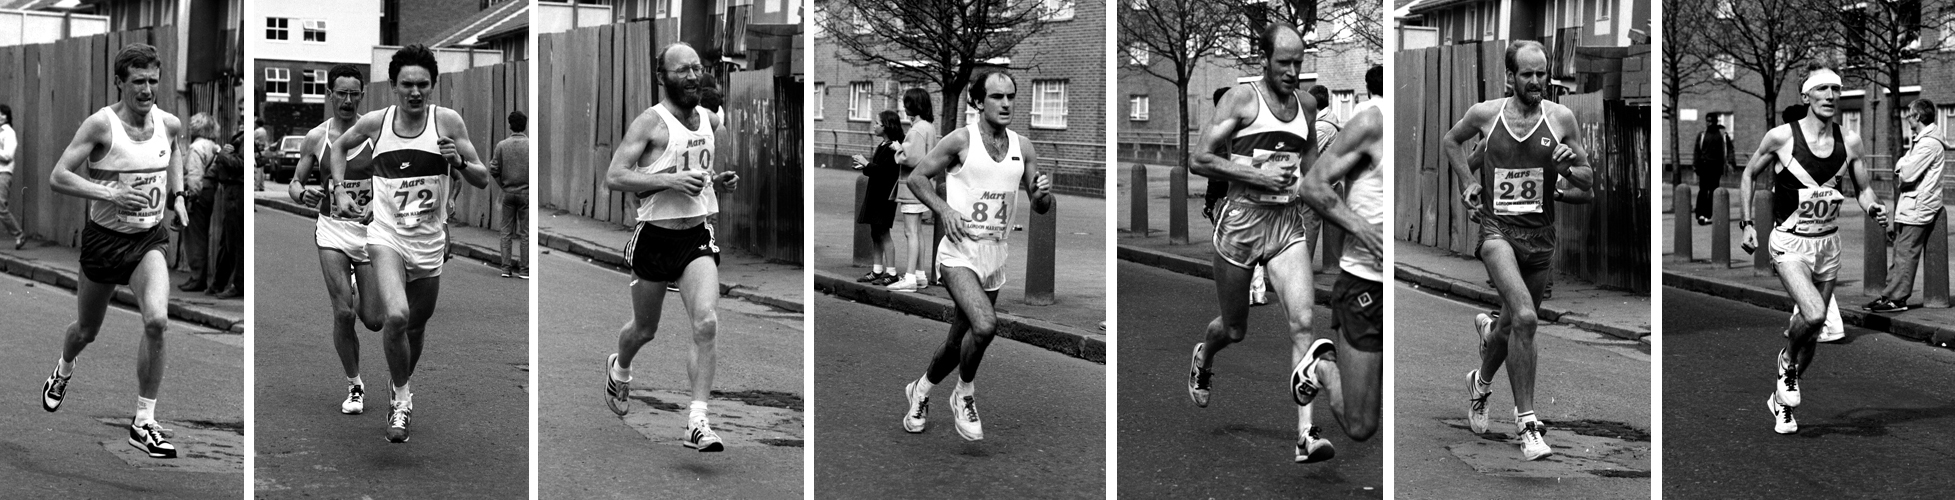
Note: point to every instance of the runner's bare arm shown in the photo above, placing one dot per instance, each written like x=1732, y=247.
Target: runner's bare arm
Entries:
x=923, y=185
x=1039, y=187
x=727, y=179
x=179, y=154
x=646, y=133
x=1570, y=156
x=460, y=150
x=1212, y=157
x=1454, y=145
x=308, y=160
x=1869, y=200
x=368, y=125
x=1761, y=161
x=1358, y=142
x=67, y=179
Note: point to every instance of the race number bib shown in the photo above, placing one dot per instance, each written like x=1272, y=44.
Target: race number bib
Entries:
x=350, y=198
x=151, y=184
x=1518, y=191
x=990, y=214
x=1281, y=162
x=415, y=201
x=1818, y=209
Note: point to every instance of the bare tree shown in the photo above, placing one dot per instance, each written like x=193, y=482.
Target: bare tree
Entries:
x=1168, y=39
x=1353, y=25
x=1772, y=39
x=1686, y=69
x=939, y=41
x=1876, y=42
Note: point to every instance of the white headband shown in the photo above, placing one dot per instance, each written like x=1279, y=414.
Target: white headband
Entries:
x=1818, y=78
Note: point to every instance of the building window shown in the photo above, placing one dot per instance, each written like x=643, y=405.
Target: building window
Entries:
x=1602, y=11
x=1057, y=10
x=1947, y=114
x=821, y=103
x=278, y=83
x=314, y=87
x=1137, y=106
x=664, y=8
x=1850, y=120
x=861, y=99
x=1341, y=102
x=278, y=28
x=1049, y=104
x=1723, y=67
x=770, y=6
x=315, y=31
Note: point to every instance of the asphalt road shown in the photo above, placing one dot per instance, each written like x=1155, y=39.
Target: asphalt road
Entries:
x=81, y=450
x=1244, y=443
x=1592, y=390
x=1044, y=415
x=585, y=451
x=1877, y=418
x=471, y=394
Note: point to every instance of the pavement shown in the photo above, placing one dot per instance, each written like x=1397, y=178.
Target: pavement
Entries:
x=1876, y=420
x=758, y=408
x=742, y=275
x=1573, y=302
x=60, y=266
x=82, y=451
x=1044, y=414
x=471, y=388
x=467, y=241
x=1740, y=282
x=1073, y=325
x=1245, y=439
x=1593, y=392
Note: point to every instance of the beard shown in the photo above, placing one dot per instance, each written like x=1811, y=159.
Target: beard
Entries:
x=680, y=94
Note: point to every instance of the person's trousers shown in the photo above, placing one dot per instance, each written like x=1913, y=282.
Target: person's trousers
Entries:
x=1707, y=182
x=227, y=237
x=6, y=211
x=1909, y=240
x=515, y=229
x=196, y=236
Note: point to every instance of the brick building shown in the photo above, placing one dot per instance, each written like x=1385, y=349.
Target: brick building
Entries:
x=1061, y=104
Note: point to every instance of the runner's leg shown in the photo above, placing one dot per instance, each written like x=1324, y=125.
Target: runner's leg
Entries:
x=699, y=288
x=647, y=305
x=422, y=294
x=390, y=294
x=91, y=304
x=951, y=353
x=368, y=295
x=1232, y=293
x=151, y=284
x=1512, y=335
x=336, y=267
x=1355, y=377
x=1290, y=274
x=1523, y=358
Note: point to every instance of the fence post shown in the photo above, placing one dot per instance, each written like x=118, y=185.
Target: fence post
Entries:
x=1874, y=259
x=1935, y=266
x=1040, y=257
x=1761, y=223
x=865, y=250
x=1680, y=232
x=1137, y=204
x=1178, y=206
x=1720, y=226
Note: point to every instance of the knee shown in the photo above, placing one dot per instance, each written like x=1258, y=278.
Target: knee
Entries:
x=1812, y=319
x=984, y=328
x=344, y=313
x=1300, y=322
x=1362, y=426
x=706, y=326
x=154, y=326
x=1235, y=332
x=1524, y=321
x=394, y=319
x=84, y=333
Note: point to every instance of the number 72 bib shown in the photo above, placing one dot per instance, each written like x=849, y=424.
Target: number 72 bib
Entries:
x=416, y=200
x=1518, y=191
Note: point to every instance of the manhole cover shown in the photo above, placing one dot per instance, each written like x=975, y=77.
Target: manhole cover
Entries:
x=201, y=446
x=745, y=418
x=1582, y=449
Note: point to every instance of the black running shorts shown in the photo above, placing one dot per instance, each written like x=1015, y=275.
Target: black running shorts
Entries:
x=111, y=257
x=1358, y=311
x=660, y=255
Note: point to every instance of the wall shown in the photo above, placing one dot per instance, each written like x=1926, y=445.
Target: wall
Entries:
x=350, y=31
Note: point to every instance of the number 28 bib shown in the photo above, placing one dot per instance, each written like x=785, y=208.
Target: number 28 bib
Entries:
x=1818, y=210
x=1518, y=191
x=1282, y=162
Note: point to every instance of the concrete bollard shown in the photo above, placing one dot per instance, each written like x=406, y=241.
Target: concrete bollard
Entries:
x=865, y=250
x=1041, y=257
x=1934, y=270
x=1874, y=259
x=1137, y=203
x=1761, y=223
x=1680, y=232
x=1178, y=206
x=1721, y=227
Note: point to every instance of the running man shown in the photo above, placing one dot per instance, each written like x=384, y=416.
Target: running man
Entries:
x=1529, y=144
x=1350, y=374
x=341, y=230
x=1806, y=158
x=667, y=158
x=415, y=147
x=126, y=160
x=983, y=166
x=1262, y=142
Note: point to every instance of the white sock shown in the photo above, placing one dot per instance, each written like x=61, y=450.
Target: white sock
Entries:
x=619, y=373
x=923, y=384
x=403, y=393
x=355, y=380
x=877, y=268
x=1485, y=386
x=1524, y=418
x=1305, y=417
x=64, y=367
x=145, y=410
x=965, y=387
x=697, y=411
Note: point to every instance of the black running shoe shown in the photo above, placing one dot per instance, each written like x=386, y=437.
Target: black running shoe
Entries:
x=147, y=436
x=55, y=388
x=397, y=419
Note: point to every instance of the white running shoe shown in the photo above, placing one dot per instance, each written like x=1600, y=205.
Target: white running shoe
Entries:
x=1782, y=421
x=908, y=283
x=918, y=417
x=355, y=400
x=1476, y=403
x=1311, y=448
x=1534, y=441
x=1787, y=389
x=1483, y=326
x=1198, y=378
x=700, y=436
x=616, y=394
x=963, y=408
x=149, y=437
x=1303, y=378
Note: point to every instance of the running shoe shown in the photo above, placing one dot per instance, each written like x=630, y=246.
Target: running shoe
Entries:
x=1534, y=441
x=1303, y=379
x=885, y=280
x=1476, y=403
x=55, y=388
x=907, y=284
x=616, y=392
x=1885, y=305
x=147, y=436
x=870, y=277
x=1312, y=448
x=700, y=436
x=355, y=403
x=1198, y=378
x=918, y=417
x=522, y=273
x=1787, y=388
x=1483, y=326
x=964, y=411
x=397, y=418
x=1782, y=421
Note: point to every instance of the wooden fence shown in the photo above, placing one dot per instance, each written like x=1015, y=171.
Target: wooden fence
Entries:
x=53, y=86
x=484, y=96
x=1605, y=242
x=598, y=79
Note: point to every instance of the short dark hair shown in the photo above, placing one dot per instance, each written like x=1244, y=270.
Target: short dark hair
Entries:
x=916, y=102
x=1924, y=110
x=135, y=55
x=1266, y=41
x=1321, y=94
x=983, y=76
x=7, y=111
x=344, y=71
x=1217, y=98
x=1514, y=49
x=892, y=124
x=1374, y=80
x=518, y=121
x=1792, y=113
x=414, y=55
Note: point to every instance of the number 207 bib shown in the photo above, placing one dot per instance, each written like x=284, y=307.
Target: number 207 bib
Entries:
x=1518, y=191
x=1818, y=209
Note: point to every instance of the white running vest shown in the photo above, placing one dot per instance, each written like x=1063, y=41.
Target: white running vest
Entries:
x=1367, y=198
x=348, y=197
x=410, y=180
x=984, y=189
x=685, y=150
x=141, y=165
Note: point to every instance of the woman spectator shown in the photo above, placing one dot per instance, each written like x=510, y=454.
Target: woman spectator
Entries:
x=878, y=208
